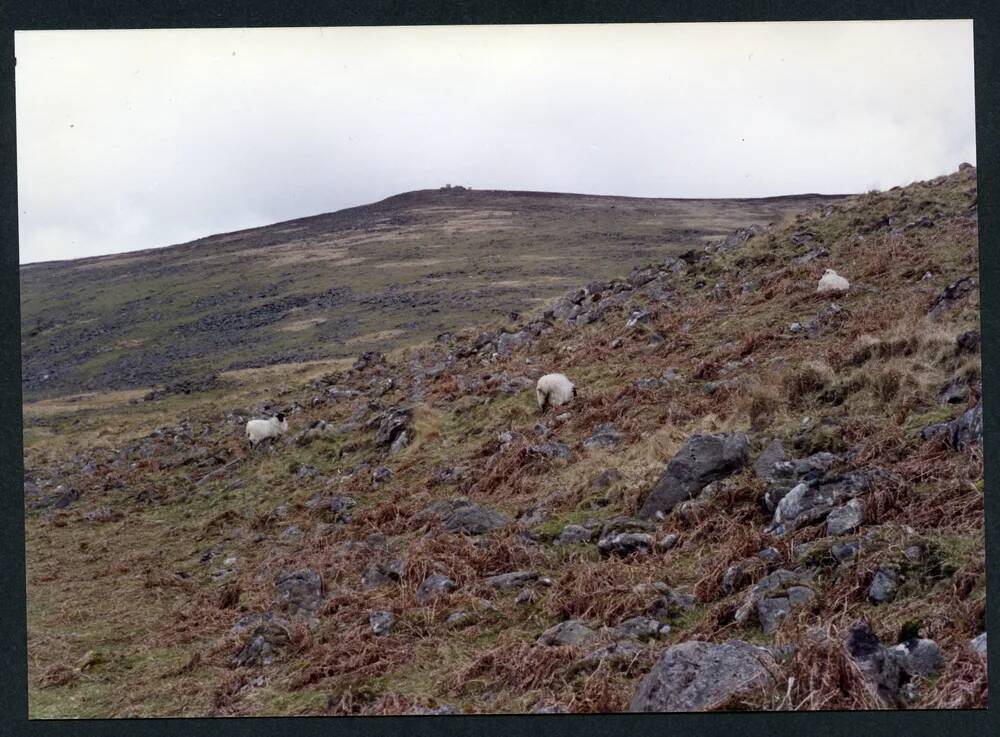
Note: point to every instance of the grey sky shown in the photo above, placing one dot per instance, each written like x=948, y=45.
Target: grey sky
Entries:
x=136, y=139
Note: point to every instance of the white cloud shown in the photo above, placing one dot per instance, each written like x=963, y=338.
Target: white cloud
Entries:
x=136, y=139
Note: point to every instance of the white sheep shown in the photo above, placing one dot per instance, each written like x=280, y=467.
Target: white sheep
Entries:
x=258, y=430
x=553, y=390
x=833, y=282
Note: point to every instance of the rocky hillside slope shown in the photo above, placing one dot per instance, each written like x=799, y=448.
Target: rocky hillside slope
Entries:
x=763, y=497
x=391, y=273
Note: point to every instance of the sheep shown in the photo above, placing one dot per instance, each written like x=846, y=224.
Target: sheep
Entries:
x=553, y=390
x=258, y=430
x=833, y=282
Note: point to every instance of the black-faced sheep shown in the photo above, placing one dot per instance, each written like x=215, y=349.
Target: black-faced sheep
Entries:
x=258, y=430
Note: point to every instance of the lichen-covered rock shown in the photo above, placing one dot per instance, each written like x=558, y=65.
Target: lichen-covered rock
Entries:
x=461, y=515
x=846, y=518
x=381, y=622
x=696, y=676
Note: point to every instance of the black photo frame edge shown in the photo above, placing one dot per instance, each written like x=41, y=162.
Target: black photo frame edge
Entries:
x=104, y=14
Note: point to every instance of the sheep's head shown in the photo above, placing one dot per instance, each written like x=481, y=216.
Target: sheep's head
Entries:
x=281, y=421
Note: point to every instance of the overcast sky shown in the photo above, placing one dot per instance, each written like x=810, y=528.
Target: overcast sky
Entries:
x=136, y=139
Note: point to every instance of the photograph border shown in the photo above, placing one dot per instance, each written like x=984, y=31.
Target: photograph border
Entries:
x=42, y=15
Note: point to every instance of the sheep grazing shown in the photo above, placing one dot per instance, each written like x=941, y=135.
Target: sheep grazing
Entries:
x=833, y=282
x=258, y=430
x=553, y=390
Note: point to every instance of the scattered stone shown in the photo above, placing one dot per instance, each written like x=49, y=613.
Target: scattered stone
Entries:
x=625, y=543
x=268, y=638
x=640, y=628
x=392, y=425
x=961, y=432
x=877, y=663
x=979, y=644
x=604, y=437
x=526, y=596
x=460, y=619
x=846, y=518
x=291, y=535
x=844, y=552
x=382, y=574
x=513, y=580
x=667, y=542
x=381, y=622
x=300, y=592
x=770, y=555
x=433, y=586
x=968, y=342
x=670, y=603
x=380, y=475
x=919, y=657
x=884, y=585
x=695, y=676
x=551, y=450
x=771, y=611
x=576, y=534
x=461, y=515
x=811, y=501
x=951, y=295
x=732, y=579
x=571, y=632
x=619, y=654
x=703, y=458
x=606, y=479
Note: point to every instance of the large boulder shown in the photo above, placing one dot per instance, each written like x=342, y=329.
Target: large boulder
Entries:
x=704, y=458
x=696, y=676
x=392, y=426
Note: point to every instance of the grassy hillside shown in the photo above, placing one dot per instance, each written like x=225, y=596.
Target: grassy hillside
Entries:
x=155, y=535
x=388, y=274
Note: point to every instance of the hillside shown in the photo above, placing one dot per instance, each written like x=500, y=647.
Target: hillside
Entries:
x=392, y=273
x=763, y=497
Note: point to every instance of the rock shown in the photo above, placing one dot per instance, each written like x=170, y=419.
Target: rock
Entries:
x=606, y=479
x=671, y=603
x=811, y=501
x=549, y=709
x=268, y=638
x=702, y=459
x=571, y=632
x=444, y=710
x=576, y=534
x=878, y=665
x=919, y=657
x=979, y=644
x=433, y=586
x=551, y=450
x=829, y=317
x=696, y=676
x=460, y=619
x=300, y=592
x=382, y=574
x=843, y=552
x=381, y=622
x=732, y=579
x=774, y=585
x=771, y=611
x=968, y=342
x=667, y=542
x=380, y=475
x=951, y=295
x=507, y=343
x=625, y=543
x=846, y=518
x=369, y=359
x=333, y=509
x=638, y=317
x=604, y=436
x=392, y=425
x=640, y=628
x=774, y=453
x=770, y=555
x=617, y=653
x=955, y=392
x=513, y=580
x=884, y=586
x=461, y=515
x=291, y=535
x=526, y=596
x=785, y=474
